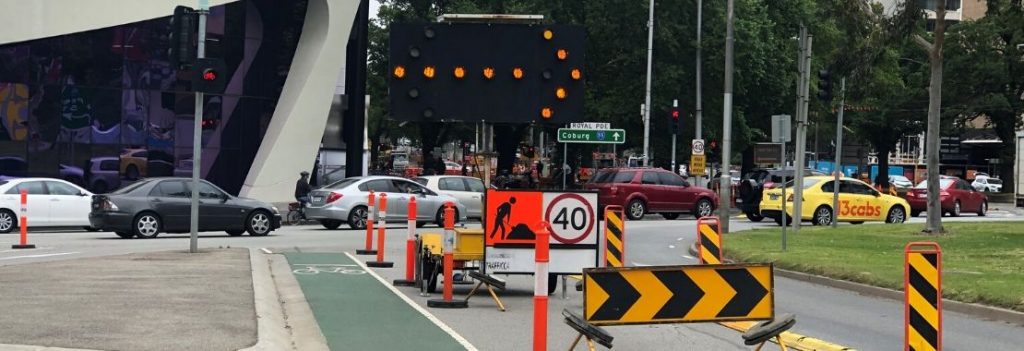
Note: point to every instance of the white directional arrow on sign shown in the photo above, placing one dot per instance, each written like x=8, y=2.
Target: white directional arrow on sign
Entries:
x=616, y=136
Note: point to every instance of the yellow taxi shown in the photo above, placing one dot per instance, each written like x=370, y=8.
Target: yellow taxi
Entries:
x=858, y=203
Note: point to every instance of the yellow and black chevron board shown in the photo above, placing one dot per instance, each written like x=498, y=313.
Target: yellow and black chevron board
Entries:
x=678, y=294
x=614, y=230
x=709, y=240
x=922, y=270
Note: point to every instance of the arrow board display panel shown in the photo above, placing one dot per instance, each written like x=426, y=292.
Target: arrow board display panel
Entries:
x=678, y=294
x=512, y=217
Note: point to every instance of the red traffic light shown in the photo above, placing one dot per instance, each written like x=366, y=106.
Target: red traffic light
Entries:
x=675, y=114
x=209, y=74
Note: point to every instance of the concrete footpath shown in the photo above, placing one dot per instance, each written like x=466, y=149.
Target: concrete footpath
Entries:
x=147, y=301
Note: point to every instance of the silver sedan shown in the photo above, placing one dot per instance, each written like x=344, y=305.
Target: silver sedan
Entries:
x=345, y=201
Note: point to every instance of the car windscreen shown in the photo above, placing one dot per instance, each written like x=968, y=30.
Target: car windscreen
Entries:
x=341, y=183
x=943, y=183
x=131, y=187
x=602, y=176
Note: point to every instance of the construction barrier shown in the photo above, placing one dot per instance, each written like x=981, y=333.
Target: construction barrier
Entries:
x=23, y=223
x=540, y=288
x=382, y=227
x=410, y=247
x=709, y=240
x=448, y=249
x=369, y=227
x=922, y=273
x=614, y=232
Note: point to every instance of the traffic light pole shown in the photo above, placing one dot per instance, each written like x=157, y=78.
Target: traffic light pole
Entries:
x=700, y=111
x=197, y=135
x=725, y=181
x=647, y=99
x=801, y=130
x=675, y=129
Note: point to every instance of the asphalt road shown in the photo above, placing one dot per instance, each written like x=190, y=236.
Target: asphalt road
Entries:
x=838, y=316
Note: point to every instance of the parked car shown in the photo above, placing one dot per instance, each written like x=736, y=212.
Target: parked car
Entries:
x=133, y=163
x=900, y=182
x=651, y=190
x=753, y=184
x=955, y=196
x=452, y=168
x=469, y=191
x=50, y=203
x=146, y=208
x=987, y=184
x=858, y=202
x=102, y=174
x=345, y=201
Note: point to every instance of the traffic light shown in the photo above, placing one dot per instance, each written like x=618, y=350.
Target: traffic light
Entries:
x=183, y=37
x=209, y=76
x=824, y=85
x=675, y=121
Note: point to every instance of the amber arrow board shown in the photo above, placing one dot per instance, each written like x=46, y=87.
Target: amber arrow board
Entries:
x=678, y=294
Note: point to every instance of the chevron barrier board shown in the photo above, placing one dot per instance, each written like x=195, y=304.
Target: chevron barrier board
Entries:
x=709, y=240
x=615, y=248
x=678, y=294
x=923, y=295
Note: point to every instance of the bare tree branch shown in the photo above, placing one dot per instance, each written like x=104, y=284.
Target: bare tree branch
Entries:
x=923, y=43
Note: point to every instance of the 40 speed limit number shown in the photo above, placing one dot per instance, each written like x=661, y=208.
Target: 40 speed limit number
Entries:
x=572, y=217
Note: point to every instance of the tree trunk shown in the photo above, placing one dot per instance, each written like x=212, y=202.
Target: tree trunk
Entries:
x=882, y=178
x=934, y=210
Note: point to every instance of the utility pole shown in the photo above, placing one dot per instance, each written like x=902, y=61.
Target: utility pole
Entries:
x=839, y=153
x=197, y=136
x=647, y=99
x=801, y=129
x=725, y=182
x=700, y=111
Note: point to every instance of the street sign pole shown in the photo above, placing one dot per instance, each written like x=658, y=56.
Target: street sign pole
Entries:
x=725, y=182
x=781, y=134
x=197, y=135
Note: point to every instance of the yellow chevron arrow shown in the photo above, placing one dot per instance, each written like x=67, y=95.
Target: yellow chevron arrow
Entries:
x=717, y=293
x=653, y=295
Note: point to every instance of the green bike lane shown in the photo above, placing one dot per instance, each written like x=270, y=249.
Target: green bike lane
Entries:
x=356, y=311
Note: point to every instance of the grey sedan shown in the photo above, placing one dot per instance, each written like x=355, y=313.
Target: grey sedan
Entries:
x=345, y=201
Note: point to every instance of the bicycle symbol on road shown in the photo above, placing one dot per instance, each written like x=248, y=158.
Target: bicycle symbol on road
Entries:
x=313, y=269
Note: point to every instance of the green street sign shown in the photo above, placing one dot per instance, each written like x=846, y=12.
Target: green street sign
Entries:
x=591, y=136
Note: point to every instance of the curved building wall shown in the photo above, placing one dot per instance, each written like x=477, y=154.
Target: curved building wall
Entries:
x=102, y=107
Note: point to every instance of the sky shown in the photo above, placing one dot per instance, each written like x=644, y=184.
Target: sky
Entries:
x=374, y=6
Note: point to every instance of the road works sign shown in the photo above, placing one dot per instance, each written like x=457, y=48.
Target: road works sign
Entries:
x=697, y=164
x=510, y=219
x=591, y=136
x=678, y=294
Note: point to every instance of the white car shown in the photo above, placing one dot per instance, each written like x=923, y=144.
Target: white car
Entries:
x=469, y=191
x=900, y=181
x=987, y=184
x=51, y=203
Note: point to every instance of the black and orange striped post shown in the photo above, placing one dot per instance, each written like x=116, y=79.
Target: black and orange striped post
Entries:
x=614, y=233
x=709, y=240
x=922, y=273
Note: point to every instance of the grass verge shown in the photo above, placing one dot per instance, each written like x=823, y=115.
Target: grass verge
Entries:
x=983, y=262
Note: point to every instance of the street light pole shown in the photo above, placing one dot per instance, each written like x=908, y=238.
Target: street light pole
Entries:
x=839, y=153
x=647, y=99
x=197, y=136
x=725, y=183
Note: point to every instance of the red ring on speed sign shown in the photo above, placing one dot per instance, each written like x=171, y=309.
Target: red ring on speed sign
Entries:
x=590, y=211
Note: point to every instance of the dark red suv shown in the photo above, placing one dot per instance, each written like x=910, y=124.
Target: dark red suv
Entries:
x=651, y=190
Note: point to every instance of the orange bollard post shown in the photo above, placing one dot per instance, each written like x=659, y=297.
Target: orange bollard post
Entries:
x=381, y=229
x=540, y=289
x=410, y=248
x=23, y=223
x=369, y=227
x=448, y=248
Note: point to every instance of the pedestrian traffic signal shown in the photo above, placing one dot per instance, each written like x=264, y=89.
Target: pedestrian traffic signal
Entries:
x=824, y=85
x=499, y=73
x=183, y=37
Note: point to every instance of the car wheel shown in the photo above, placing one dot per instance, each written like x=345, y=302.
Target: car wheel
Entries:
x=703, y=208
x=636, y=209
x=357, y=218
x=331, y=224
x=258, y=223
x=439, y=217
x=146, y=225
x=914, y=213
x=124, y=235
x=235, y=232
x=897, y=215
x=670, y=216
x=983, y=208
x=956, y=209
x=754, y=217
x=822, y=216
x=7, y=221
x=132, y=172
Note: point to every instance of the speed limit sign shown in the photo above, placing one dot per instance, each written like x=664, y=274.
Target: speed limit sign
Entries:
x=697, y=147
x=572, y=217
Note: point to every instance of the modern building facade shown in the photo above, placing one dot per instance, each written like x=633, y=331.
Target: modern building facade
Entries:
x=87, y=93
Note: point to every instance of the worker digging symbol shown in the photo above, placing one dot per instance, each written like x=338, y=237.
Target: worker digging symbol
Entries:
x=502, y=221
